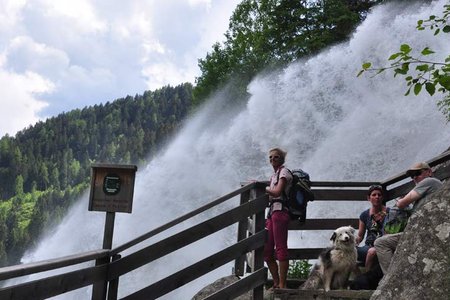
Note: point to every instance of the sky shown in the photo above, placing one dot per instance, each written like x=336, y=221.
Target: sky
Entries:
x=59, y=55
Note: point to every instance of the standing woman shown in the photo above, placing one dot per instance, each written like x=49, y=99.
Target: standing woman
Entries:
x=278, y=219
x=371, y=221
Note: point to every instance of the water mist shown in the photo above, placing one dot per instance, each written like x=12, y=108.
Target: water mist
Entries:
x=333, y=125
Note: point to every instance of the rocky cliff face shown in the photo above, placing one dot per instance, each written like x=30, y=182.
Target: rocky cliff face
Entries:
x=420, y=268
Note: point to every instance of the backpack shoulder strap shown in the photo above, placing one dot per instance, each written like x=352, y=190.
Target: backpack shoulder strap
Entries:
x=284, y=196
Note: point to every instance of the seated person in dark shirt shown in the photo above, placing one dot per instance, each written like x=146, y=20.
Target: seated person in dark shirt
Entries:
x=371, y=221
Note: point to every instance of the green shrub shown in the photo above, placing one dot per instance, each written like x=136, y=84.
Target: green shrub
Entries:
x=299, y=269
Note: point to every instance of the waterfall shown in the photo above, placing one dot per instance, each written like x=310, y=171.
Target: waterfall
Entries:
x=332, y=124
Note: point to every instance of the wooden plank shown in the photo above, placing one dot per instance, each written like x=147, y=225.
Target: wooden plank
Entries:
x=304, y=253
x=185, y=237
x=444, y=157
x=340, y=194
x=54, y=285
x=399, y=191
x=240, y=287
x=348, y=184
x=198, y=269
x=394, y=179
x=364, y=184
x=258, y=254
x=443, y=172
x=51, y=264
x=239, y=264
x=322, y=224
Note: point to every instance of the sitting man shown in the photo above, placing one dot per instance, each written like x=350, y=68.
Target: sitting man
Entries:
x=421, y=174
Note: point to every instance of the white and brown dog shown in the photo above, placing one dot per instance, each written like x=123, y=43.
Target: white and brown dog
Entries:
x=335, y=263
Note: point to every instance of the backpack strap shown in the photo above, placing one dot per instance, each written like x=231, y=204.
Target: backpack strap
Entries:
x=284, y=197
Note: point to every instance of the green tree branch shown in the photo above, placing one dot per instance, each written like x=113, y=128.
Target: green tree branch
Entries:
x=433, y=75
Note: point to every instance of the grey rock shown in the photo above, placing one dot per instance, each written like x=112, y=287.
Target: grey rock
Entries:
x=222, y=283
x=420, y=267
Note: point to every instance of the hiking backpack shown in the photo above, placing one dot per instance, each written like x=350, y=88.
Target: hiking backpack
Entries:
x=299, y=195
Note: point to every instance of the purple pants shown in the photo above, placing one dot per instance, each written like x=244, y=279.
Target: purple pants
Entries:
x=277, y=235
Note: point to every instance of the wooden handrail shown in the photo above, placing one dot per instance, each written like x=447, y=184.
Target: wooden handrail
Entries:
x=432, y=162
x=200, y=268
x=349, y=184
x=240, y=287
x=323, y=224
x=46, y=265
x=364, y=184
x=55, y=285
x=183, y=238
x=442, y=173
x=182, y=218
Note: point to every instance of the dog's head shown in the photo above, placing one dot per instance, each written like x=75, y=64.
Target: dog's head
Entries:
x=343, y=236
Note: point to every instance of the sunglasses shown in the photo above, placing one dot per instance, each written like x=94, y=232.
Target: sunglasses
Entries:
x=415, y=173
x=274, y=157
x=375, y=187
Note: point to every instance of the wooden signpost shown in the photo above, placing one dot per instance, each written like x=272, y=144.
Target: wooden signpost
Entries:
x=112, y=188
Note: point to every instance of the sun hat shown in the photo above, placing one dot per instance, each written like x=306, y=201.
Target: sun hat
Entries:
x=417, y=167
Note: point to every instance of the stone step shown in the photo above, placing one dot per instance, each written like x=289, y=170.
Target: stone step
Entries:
x=291, y=283
x=296, y=294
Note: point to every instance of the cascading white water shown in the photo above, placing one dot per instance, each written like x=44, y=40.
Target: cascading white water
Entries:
x=333, y=125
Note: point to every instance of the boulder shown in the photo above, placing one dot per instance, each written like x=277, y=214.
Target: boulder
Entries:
x=420, y=267
x=224, y=282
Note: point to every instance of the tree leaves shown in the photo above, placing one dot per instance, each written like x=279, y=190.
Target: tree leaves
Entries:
x=417, y=88
x=268, y=33
x=435, y=76
x=431, y=88
x=427, y=51
x=444, y=81
x=405, y=48
x=366, y=65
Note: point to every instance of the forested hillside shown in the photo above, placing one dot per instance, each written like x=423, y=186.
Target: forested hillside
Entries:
x=47, y=166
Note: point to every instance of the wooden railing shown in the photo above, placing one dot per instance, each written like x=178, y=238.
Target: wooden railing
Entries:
x=111, y=271
x=246, y=252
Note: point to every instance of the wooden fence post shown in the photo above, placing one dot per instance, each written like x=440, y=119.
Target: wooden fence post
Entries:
x=258, y=263
x=99, y=289
x=113, y=284
x=239, y=263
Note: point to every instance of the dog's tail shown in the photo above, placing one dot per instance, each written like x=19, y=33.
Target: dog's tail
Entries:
x=314, y=280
